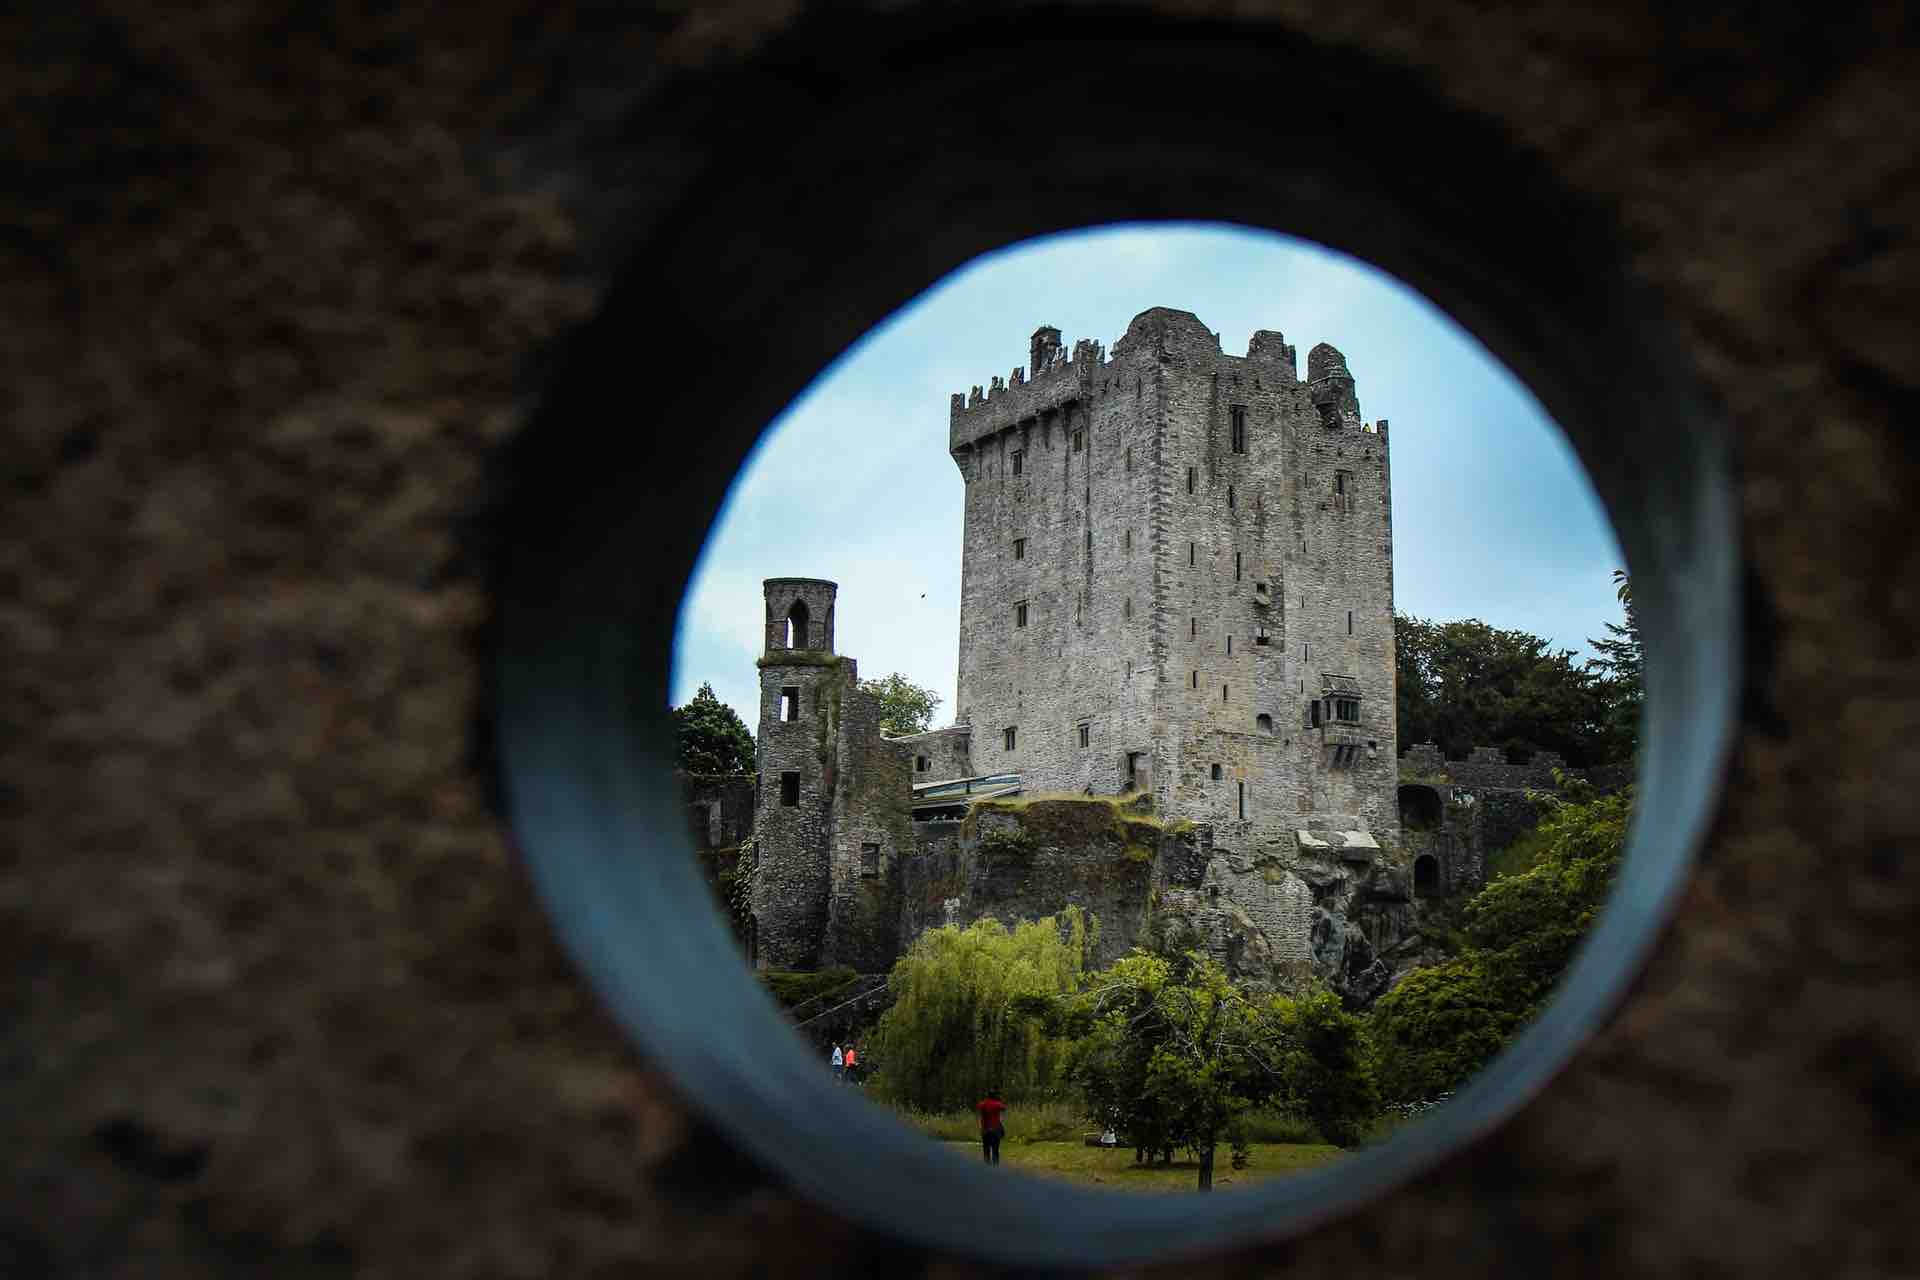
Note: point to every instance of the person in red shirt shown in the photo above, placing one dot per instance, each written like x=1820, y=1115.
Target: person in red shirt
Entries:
x=853, y=1066
x=991, y=1128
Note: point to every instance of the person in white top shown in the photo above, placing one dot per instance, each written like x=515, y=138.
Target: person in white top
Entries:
x=839, y=1062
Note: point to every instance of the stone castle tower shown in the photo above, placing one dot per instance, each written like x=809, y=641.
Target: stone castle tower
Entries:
x=831, y=817
x=1178, y=576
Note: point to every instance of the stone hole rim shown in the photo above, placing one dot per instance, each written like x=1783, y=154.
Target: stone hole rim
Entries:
x=584, y=779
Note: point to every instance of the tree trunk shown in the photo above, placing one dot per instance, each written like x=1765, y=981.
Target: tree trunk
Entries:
x=1206, y=1167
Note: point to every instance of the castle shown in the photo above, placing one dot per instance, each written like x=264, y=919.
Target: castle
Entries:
x=1177, y=591
x=1177, y=580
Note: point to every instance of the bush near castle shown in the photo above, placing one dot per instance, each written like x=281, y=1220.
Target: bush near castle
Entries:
x=1443, y=1023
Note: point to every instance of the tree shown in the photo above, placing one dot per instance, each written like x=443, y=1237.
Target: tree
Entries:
x=1118, y=1036
x=905, y=707
x=711, y=737
x=1440, y=1025
x=1330, y=1078
x=1622, y=669
x=975, y=1008
x=1466, y=684
x=1175, y=1054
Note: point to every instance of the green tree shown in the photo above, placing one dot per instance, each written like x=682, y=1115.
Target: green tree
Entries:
x=1175, y=1054
x=1329, y=1072
x=711, y=738
x=905, y=707
x=1440, y=1025
x=1118, y=1037
x=1622, y=668
x=1466, y=684
x=976, y=1008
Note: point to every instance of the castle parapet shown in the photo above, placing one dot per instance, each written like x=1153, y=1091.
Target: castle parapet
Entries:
x=1054, y=383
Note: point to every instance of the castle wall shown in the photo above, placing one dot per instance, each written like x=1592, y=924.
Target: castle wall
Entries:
x=933, y=880
x=1487, y=767
x=1482, y=805
x=720, y=808
x=871, y=832
x=948, y=753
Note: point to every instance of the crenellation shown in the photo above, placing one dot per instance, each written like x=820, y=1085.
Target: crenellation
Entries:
x=1055, y=383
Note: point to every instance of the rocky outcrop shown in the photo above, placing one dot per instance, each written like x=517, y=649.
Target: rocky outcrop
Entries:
x=1028, y=858
x=1333, y=906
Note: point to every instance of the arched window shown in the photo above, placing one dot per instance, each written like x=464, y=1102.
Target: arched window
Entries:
x=1216, y=773
x=1264, y=723
x=797, y=625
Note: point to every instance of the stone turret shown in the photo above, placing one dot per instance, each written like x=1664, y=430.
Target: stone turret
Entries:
x=1045, y=349
x=801, y=685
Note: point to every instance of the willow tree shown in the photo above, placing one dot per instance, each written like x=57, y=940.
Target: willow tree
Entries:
x=973, y=1009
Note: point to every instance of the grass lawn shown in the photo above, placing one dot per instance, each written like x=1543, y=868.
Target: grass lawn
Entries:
x=1113, y=1167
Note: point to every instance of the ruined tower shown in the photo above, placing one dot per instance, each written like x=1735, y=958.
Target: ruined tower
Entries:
x=831, y=816
x=791, y=818
x=1178, y=575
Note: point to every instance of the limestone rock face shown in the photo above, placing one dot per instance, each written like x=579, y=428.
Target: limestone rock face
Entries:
x=1276, y=918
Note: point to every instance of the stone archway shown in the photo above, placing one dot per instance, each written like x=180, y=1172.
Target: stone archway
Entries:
x=1426, y=876
x=1421, y=808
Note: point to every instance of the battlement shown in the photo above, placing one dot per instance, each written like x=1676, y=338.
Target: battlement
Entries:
x=1055, y=380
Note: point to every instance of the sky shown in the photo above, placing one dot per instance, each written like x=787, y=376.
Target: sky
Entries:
x=1493, y=516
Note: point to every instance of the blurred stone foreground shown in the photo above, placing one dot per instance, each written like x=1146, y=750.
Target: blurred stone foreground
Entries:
x=280, y=282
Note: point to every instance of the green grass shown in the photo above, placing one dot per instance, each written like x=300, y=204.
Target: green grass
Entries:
x=1279, y=1127
x=1064, y=1122
x=1113, y=1168
x=1030, y=1122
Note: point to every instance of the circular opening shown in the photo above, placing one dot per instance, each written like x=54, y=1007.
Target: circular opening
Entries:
x=781, y=259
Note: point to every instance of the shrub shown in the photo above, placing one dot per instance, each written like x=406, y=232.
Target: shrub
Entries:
x=793, y=987
x=1440, y=1025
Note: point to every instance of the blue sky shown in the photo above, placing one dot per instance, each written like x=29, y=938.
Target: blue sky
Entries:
x=1493, y=517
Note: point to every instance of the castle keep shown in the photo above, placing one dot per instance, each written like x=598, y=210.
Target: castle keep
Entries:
x=1177, y=587
x=1178, y=576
